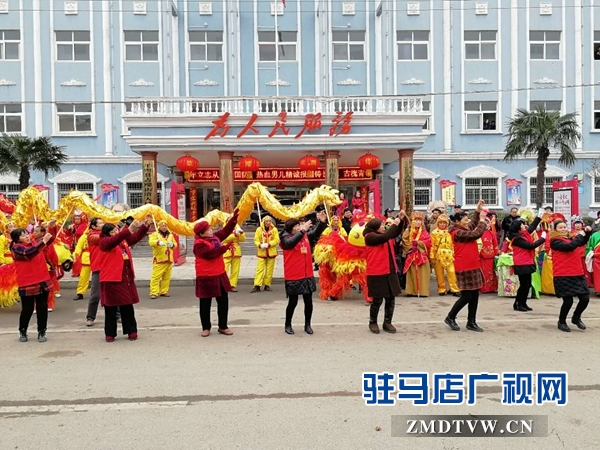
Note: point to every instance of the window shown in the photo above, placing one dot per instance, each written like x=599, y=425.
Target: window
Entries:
x=596, y=181
x=547, y=105
x=285, y=44
x=597, y=115
x=544, y=44
x=135, y=194
x=548, y=196
x=480, y=45
x=141, y=45
x=74, y=117
x=596, y=45
x=206, y=45
x=72, y=45
x=65, y=188
x=9, y=44
x=412, y=45
x=480, y=116
x=426, y=108
x=11, y=191
x=348, y=45
x=10, y=118
x=423, y=191
x=481, y=188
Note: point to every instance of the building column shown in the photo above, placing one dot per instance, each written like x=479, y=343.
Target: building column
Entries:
x=226, y=181
x=149, y=181
x=332, y=173
x=406, y=184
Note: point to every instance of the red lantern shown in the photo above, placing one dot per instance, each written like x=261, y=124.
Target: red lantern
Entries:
x=309, y=163
x=368, y=162
x=249, y=164
x=187, y=163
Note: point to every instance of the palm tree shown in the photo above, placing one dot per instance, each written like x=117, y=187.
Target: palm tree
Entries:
x=535, y=133
x=22, y=154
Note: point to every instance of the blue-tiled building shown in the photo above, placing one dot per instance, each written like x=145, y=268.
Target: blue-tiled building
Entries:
x=111, y=79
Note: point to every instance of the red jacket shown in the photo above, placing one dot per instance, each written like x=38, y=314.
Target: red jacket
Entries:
x=297, y=261
x=466, y=254
x=523, y=256
x=30, y=263
x=93, y=241
x=566, y=259
x=204, y=249
x=378, y=259
x=114, y=251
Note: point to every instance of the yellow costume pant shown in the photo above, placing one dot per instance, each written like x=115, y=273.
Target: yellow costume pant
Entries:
x=232, y=269
x=160, y=279
x=439, y=275
x=84, y=279
x=264, y=271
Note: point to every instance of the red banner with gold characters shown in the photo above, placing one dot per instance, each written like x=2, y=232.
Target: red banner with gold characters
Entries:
x=193, y=204
x=275, y=174
x=448, y=192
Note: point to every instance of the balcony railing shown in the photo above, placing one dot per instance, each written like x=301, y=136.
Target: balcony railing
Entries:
x=298, y=106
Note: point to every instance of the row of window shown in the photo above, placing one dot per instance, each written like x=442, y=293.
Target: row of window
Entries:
x=487, y=189
x=346, y=45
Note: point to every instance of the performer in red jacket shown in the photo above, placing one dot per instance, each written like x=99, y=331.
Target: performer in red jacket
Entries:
x=93, y=238
x=469, y=276
x=569, y=273
x=382, y=270
x=211, y=277
x=524, y=257
x=33, y=280
x=298, y=270
x=117, y=285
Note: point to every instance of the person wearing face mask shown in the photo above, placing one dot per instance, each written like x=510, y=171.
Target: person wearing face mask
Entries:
x=569, y=275
x=524, y=266
x=382, y=270
x=298, y=267
x=211, y=278
x=163, y=245
x=489, y=250
x=442, y=256
x=465, y=233
x=266, y=239
x=416, y=244
x=33, y=280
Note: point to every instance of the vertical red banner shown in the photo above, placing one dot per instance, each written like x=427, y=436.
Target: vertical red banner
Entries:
x=193, y=204
x=177, y=195
x=364, y=194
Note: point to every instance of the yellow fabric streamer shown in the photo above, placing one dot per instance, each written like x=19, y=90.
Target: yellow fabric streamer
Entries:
x=30, y=199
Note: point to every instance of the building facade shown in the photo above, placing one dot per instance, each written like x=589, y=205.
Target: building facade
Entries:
x=114, y=79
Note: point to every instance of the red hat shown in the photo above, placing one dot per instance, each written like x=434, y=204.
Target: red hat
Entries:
x=201, y=227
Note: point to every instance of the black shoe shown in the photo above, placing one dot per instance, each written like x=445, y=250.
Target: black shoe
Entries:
x=521, y=308
x=452, y=323
x=441, y=294
x=256, y=289
x=563, y=327
x=474, y=327
x=527, y=307
x=23, y=336
x=333, y=299
x=289, y=329
x=456, y=294
x=78, y=297
x=578, y=323
x=308, y=329
x=42, y=336
x=267, y=288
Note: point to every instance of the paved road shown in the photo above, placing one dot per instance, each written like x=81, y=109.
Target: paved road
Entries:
x=263, y=389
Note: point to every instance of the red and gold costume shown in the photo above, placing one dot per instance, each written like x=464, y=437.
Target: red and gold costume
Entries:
x=416, y=245
x=487, y=253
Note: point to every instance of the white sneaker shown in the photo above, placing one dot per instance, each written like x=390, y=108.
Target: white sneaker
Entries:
x=57, y=295
x=49, y=309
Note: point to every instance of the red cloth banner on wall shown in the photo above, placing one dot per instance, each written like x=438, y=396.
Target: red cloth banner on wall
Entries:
x=277, y=174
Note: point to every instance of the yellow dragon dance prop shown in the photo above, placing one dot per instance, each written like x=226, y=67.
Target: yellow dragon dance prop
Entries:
x=32, y=204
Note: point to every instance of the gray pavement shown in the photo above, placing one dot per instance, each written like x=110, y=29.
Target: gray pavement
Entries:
x=263, y=389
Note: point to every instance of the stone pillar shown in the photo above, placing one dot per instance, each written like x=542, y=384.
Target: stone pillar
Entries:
x=406, y=184
x=149, y=181
x=332, y=174
x=226, y=181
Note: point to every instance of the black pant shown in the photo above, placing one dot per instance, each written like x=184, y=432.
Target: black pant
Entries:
x=293, y=302
x=390, y=304
x=41, y=306
x=127, y=320
x=584, y=300
x=524, y=288
x=222, y=311
x=470, y=298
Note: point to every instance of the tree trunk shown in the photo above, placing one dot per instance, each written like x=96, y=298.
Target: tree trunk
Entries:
x=24, y=177
x=542, y=160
